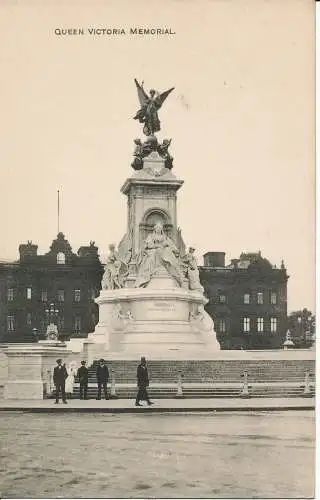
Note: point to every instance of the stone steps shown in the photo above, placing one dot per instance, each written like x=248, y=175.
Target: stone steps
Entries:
x=208, y=379
x=211, y=371
x=126, y=392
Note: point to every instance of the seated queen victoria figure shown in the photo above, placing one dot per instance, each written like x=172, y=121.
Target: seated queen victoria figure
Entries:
x=158, y=251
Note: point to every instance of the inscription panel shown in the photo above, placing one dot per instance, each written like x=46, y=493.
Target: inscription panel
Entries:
x=160, y=310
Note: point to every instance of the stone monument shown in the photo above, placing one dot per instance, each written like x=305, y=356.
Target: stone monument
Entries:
x=152, y=302
x=288, y=343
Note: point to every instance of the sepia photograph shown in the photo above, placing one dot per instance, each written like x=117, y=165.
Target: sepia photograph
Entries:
x=157, y=258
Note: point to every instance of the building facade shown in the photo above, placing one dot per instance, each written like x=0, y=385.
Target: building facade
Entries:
x=59, y=286
x=247, y=300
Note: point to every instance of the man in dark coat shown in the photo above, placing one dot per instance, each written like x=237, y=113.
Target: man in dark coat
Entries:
x=102, y=378
x=83, y=375
x=59, y=378
x=143, y=383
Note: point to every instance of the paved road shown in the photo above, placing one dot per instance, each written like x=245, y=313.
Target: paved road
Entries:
x=161, y=455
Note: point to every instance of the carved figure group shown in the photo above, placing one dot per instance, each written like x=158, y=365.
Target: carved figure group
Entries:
x=191, y=270
x=143, y=149
x=115, y=270
x=158, y=251
x=163, y=151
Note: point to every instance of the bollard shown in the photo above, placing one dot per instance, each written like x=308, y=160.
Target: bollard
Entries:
x=307, y=389
x=245, y=388
x=113, y=394
x=179, y=393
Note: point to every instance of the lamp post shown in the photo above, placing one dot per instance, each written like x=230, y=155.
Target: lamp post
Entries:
x=52, y=313
x=52, y=328
x=300, y=329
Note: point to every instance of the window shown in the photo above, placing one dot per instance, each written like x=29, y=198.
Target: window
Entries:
x=60, y=295
x=222, y=298
x=273, y=298
x=10, y=294
x=246, y=298
x=44, y=296
x=77, y=295
x=260, y=297
x=29, y=319
x=273, y=325
x=260, y=324
x=29, y=293
x=61, y=258
x=222, y=325
x=77, y=323
x=246, y=324
x=10, y=323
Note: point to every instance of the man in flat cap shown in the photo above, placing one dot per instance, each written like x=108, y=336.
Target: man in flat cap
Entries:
x=59, y=378
x=102, y=378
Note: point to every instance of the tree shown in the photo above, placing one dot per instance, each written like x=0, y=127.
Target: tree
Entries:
x=302, y=326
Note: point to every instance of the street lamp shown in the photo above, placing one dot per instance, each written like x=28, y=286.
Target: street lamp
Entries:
x=52, y=329
x=51, y=313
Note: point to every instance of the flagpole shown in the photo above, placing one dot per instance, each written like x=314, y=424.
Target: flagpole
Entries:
x=58, y=211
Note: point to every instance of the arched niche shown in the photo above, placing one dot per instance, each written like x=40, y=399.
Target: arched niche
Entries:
x=152, y=217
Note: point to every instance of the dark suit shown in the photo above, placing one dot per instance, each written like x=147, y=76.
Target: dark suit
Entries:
x=83, y=375
x=143, y=383
x=102, y=380
x=59, y=378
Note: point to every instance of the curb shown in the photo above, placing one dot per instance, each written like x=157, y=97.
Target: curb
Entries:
x=157, y=410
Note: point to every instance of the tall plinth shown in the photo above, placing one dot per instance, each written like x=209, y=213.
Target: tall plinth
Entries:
x=151, y=198
x=30, y=368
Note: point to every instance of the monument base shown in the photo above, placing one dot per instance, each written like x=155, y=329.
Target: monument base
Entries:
x=30, y=368
x=161, y=321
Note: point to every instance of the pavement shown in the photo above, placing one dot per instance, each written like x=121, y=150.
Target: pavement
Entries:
x=176, y=405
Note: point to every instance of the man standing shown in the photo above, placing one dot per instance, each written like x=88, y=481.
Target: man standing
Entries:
x=143, y=383
x=83, y=375
x=102, y=378
x=59, y=378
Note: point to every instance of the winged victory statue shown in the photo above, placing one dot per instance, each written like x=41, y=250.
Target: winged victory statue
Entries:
x=150, y=104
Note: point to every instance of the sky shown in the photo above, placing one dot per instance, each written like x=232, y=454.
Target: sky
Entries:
x=241, y=119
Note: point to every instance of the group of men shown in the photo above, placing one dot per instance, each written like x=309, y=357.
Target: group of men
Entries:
x=60, y=375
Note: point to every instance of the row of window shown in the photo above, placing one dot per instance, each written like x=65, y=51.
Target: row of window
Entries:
x=248, y=324
x=248, y=298
x=11, y=323
x=44, y=295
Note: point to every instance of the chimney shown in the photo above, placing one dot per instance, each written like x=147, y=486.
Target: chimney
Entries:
x=214, y=259
x=27, y=250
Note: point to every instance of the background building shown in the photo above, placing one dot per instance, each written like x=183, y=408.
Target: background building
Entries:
x=59, y=283
x=247, y=300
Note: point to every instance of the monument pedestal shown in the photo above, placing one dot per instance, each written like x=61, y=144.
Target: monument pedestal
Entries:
x=30, y=368
x=157, y=312
x=161, y=321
